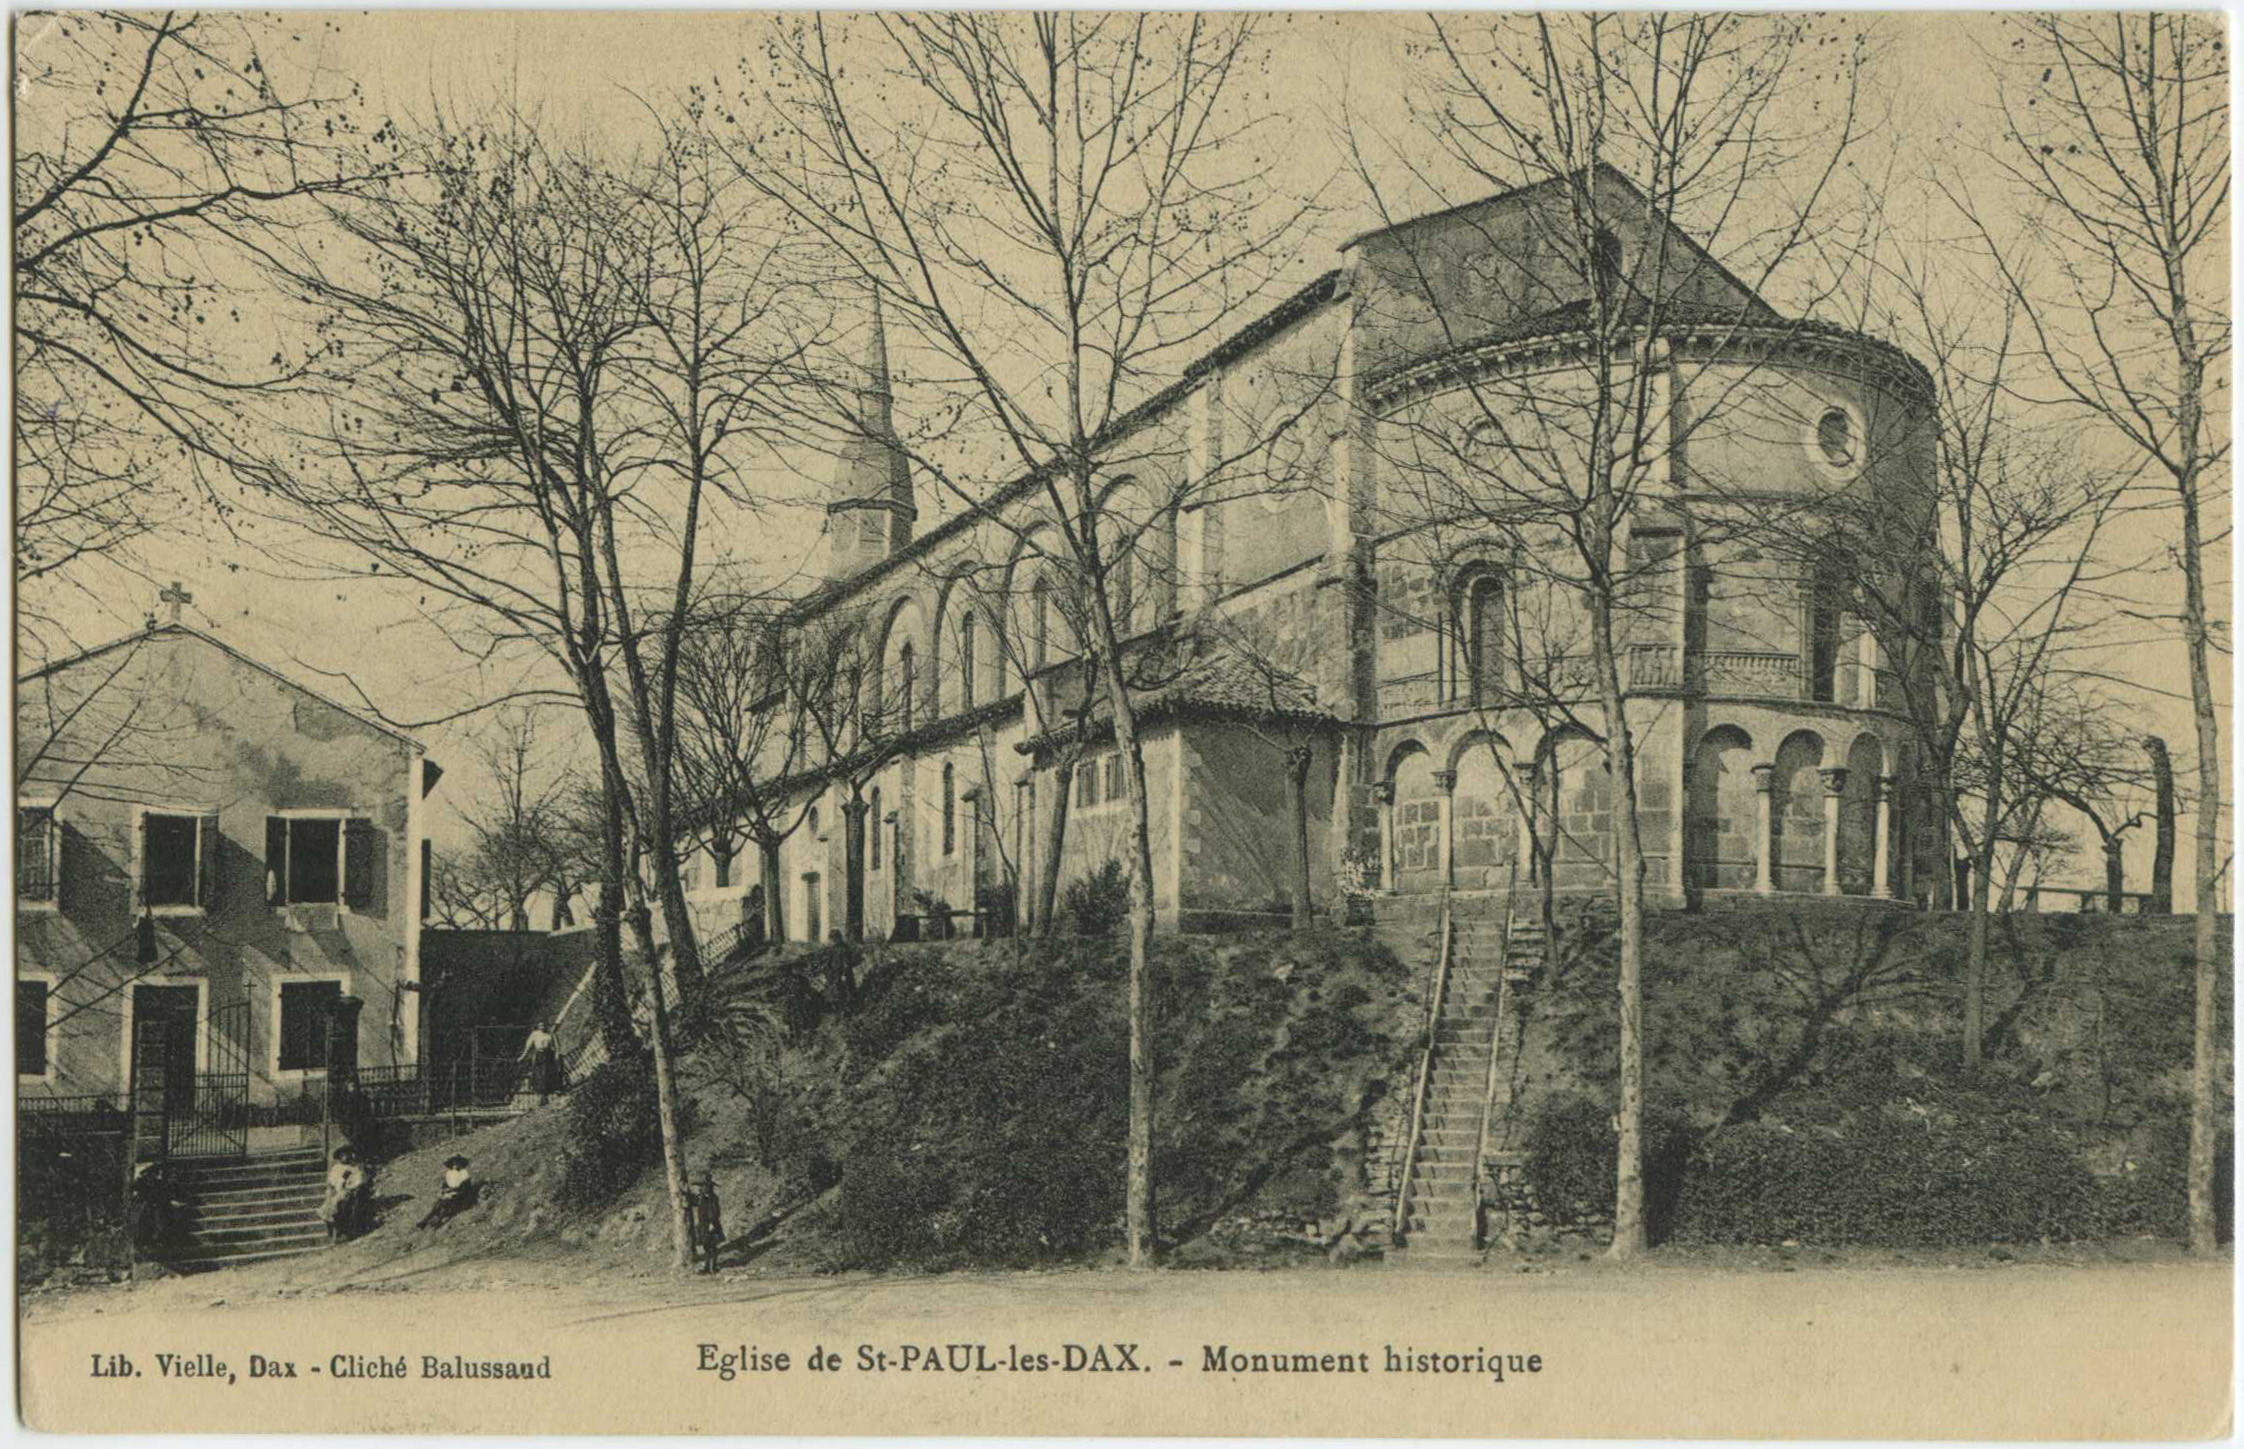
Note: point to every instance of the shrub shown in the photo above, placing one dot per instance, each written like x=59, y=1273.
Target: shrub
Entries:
x=1895, y=1179
x=70, y=1204
x=612, y=1131
x=1573, y=1161
x=1098, y=903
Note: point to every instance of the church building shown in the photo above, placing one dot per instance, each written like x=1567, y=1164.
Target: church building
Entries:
x=1342, y=540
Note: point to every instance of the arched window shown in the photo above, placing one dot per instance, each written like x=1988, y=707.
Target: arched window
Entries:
x=810, y=822
x=872, y=832
x=966, y=661
x=1164, y=570
x=1827, y=604
x=907, y=685
x=1484, y=636
x=1040, y=623
x=950, y=809
x=1605, y=262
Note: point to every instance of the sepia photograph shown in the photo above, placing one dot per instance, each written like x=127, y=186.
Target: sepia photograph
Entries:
x=1489, y=724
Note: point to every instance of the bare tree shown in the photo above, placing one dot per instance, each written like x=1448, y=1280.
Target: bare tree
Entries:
x=513, y=858
x=1636, y=126
x=555, y=365
x=2115, y=132
x=155, y=156
x=1986, y=600
x=2077, y=755
x=1093, y=217
x=738, y=739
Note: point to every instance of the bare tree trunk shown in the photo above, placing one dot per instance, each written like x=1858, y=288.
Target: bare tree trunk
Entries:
x=1631, y=1233
x=767, y=870
x=2115, y=874
x=1055, y=846
x=2162, y=857
x=1298, y=760
x=2204, y=1090
x=611, y=995
x=666, y=1100
x=1975, y=962
x=1138, y=1210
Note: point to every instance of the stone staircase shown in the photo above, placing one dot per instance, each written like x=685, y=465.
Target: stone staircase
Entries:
x=247, y=1209
x=1438, y=1217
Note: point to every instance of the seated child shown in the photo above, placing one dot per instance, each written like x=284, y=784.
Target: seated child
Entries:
x=456, y=1193
x=347, y=1208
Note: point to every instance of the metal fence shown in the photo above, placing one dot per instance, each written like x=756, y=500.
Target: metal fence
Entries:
x=86, y=1114
x=484, y=1084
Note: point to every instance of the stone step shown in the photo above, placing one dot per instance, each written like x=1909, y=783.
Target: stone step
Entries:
x=249, y=1174
x=258, y=1196
x=236, y=1259
x=247, y=1163
x=253, y=1235
x=202, y=1220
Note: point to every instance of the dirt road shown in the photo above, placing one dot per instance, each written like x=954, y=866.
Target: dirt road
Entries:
x=2017, y=1351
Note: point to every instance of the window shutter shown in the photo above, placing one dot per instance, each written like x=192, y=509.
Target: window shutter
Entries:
x=208, y=844
x=139, y=883
x=362, y=845
x=276, y=860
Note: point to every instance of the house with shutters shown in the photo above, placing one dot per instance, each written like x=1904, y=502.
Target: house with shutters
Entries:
x=203, y=839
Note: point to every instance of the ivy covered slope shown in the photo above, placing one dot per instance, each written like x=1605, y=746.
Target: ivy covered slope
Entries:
x=974, y=1100
x=964, y=1104
x=1806, y=1082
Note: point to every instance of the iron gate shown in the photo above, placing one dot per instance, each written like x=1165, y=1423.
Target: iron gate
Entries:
x=214, y=1121
x=147, y=1099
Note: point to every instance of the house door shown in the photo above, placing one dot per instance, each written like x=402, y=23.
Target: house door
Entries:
x=174, y=1006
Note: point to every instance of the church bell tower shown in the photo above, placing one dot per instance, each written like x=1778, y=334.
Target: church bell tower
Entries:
x=869, y=504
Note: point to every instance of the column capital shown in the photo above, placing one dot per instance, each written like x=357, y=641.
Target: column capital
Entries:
x=1834, y=779
x=1446, y=779
x=1383, y=792
x=1764, y=778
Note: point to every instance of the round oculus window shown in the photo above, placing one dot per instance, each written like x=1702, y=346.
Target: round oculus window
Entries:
x=1835, y=438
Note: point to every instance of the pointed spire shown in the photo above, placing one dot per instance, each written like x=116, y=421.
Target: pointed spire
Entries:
x=869, y=505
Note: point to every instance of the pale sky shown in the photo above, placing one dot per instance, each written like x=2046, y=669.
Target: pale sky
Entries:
x=590, y=72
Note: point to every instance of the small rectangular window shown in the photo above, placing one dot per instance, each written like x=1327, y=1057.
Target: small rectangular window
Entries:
x=306, y=859
x=1114, y=784
x=304, y=1009
x=170, y=868
x=31, y=1028
x=38, y=854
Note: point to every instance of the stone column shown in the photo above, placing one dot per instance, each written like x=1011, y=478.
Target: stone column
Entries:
x=1764, y=867
x=1384, y=793
x=971, y=798
x=1834, y=786
x=1905, y=830
x=1446, y=820
x=1881, y=862
x=1024, y=847
x=894, y=827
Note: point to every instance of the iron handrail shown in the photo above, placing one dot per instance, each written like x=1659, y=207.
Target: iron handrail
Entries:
x=1495, y=1044
x=1425, y=1077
